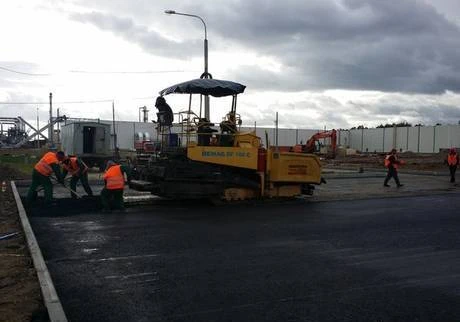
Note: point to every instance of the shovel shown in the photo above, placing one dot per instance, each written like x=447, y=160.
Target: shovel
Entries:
x=71, y=190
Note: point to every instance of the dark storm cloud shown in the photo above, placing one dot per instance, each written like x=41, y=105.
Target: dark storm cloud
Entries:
x=376, y=45
x=414, y=109
x=392, y=46
x=149, y=40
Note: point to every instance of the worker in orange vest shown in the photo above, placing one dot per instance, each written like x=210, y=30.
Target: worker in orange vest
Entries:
x=452, y=162
x=41, y=174
x=392, y=162
x=114, y=179
x=79, y=171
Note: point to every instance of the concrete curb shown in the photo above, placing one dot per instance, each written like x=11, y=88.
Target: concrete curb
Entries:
x=50, y=297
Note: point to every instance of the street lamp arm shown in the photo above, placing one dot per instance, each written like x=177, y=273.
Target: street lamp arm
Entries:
x=172, y=12
x=206, y=74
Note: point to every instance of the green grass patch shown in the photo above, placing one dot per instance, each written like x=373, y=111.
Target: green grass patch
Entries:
x=22, y=163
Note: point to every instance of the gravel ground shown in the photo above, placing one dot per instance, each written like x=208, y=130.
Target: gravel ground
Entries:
x=20, y=295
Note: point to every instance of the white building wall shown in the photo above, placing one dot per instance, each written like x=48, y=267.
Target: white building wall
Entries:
x=126, y=132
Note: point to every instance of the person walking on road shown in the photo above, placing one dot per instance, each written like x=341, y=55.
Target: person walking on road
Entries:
x=392, y=163
x=79, y=171
x=41, y=174
x=114, y=179
x=452, y=162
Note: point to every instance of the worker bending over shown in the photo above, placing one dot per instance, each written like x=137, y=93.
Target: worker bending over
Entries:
x=452, y=162
x=114, y=183
x=392, y=162
x=41, y=174
x=79, y=171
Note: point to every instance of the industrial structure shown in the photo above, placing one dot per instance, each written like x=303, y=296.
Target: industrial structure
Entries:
x=16, y=132
x=90, y=140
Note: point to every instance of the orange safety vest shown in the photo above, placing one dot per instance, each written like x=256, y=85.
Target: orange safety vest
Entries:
x=73, y=168
x=114, y=178
x=452, y=159
x=44, y=165
x=387, y=162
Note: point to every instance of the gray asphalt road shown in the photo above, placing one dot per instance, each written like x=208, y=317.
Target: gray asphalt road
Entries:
x=370, y=260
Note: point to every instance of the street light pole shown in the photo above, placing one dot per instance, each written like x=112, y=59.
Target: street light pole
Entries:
x=38, y=128
x=206, y=74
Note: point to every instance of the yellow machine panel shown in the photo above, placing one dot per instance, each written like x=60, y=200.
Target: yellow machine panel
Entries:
x=230, y=156
x=294, y=167
x=247, y=140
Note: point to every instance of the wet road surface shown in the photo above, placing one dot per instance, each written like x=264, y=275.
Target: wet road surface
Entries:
x=392, y=259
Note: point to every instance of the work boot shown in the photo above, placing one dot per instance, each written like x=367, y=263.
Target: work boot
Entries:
x=400, y=185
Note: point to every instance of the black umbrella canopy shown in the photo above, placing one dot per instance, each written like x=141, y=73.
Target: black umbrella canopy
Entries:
x=206, y=86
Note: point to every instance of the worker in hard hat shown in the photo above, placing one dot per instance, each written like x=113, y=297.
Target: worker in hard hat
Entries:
x=452, y=162
x=42, y=173
x=114, y=183
x=79, y=172
x=392, y=162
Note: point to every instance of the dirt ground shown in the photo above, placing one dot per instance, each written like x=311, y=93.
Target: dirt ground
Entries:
x=413, y=161
x=20, y=295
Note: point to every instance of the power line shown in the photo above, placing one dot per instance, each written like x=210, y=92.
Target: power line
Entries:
x=130, y=72
x=76, y=102
x=63, y=102
x=23, y=73
x=100, y=72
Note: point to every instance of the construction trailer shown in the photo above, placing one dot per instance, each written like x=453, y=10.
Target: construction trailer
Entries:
x=90, y=140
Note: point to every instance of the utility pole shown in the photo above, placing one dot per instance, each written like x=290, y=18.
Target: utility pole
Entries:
x=115, y=150
x=145, y=117
x=276, y=133
x=58, y=128
x=51, y=129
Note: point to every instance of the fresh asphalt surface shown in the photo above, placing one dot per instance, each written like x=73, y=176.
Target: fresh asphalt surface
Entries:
x=392, y=259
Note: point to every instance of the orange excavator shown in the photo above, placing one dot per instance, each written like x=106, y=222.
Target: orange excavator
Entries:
x=310, y=146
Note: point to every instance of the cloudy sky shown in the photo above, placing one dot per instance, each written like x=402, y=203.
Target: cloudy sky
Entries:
x=319, y=63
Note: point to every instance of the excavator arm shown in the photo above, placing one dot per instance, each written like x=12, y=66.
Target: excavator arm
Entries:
x=309, y=147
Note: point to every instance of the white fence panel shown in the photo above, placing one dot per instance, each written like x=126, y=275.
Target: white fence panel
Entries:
x=401, y=138
x=372, y=140
x=426, y=139
x=441, y=138
x=454, y=136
